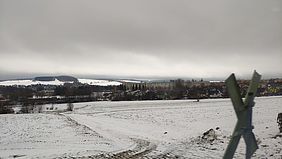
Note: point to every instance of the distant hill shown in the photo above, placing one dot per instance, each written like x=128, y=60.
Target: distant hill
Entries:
x=45, y=78
x=53, y=78
x=61, y=80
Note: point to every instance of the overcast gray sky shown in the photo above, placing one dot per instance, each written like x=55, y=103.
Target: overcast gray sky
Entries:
x=166, y=38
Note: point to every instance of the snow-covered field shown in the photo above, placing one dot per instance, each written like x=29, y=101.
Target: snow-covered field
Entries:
x=139, y=129
x=57, y=82
x=94, y=82
x=30, y=82
x=99, y=82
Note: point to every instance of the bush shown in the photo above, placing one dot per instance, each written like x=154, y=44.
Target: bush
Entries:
x=26, y=108
x=6, y=110
x=70, y=107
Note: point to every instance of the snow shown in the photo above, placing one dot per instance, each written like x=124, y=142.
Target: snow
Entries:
x=30, y=82
x=57, y=82
x=130, y=81
x=152, y=129
x=215, y=81
x=16, y=82
x=99, y=82
x=47, y=136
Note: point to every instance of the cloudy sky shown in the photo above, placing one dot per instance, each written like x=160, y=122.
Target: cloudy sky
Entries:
x=141, y=38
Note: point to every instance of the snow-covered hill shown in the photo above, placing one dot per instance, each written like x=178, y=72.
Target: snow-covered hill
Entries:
x=30, y=82
x=56, y=81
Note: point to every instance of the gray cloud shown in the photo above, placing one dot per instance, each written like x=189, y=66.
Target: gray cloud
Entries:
x=141, y=38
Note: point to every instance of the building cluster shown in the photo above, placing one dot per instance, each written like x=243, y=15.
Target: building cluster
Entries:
x=157, y=90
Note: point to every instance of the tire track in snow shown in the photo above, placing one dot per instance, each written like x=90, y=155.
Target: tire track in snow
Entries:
x=140, y=150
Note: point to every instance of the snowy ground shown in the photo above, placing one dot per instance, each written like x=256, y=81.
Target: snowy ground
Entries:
x=99, y=82
x=57, y=82
x=48, y=136
x=139, y=129
x=30, y=82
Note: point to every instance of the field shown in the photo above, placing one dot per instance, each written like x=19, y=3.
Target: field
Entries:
x=138, y=129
